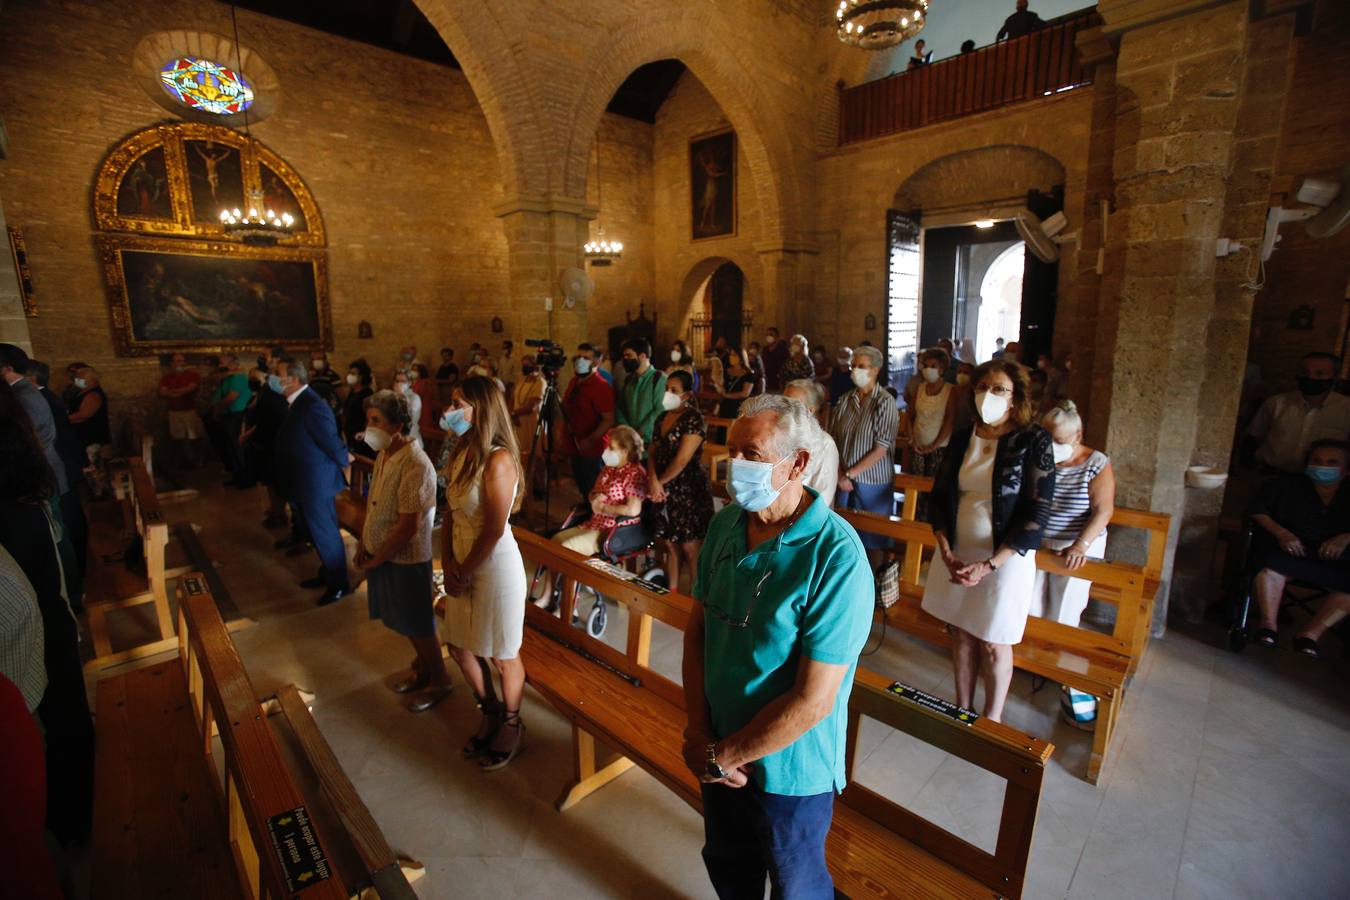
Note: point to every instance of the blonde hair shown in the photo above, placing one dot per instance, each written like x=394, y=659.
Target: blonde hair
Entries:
x=628, y=440
x=491, y=431
x=90, y=376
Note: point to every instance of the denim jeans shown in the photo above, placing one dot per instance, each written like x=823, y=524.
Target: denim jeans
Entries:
x=750, y=835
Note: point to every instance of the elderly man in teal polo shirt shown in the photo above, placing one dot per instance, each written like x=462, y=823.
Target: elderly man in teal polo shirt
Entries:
x=784, y=605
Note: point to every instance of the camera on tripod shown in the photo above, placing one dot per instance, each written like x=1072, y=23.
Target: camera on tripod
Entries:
x=549, y=355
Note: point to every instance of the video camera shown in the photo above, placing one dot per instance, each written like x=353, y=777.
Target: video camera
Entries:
x=549, y=355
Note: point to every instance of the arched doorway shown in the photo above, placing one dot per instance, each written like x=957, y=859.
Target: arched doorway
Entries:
x=724, y=304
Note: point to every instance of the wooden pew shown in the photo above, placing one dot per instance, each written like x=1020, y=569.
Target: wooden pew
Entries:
x=1099, y=664
x=876, y=848
x=351, y=503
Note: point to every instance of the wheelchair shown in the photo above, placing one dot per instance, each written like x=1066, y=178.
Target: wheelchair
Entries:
x=628, y=544
x=1299, y=594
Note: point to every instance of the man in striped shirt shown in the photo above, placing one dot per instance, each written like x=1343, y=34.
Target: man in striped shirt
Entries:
x=864, y=426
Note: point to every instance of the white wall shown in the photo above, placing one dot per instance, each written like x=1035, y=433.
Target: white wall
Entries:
x=952, y=21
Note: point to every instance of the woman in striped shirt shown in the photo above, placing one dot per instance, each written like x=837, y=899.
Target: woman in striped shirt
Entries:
x=864, y=426
x=1085, y=492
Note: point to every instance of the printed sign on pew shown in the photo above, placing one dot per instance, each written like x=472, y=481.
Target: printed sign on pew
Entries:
x=596, y=562
x=298, y=849
x=936, y=704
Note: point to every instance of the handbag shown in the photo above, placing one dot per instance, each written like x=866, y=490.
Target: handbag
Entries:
x=888, y=584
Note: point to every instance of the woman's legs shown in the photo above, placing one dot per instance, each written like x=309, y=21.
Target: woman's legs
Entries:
x=689, y=551
x=1269, y=586
x=965, y=665
x=429, y=661
x=997, y=675
x=476, y=673
x=1334, y=608
x=670, y=557
x=505, y=742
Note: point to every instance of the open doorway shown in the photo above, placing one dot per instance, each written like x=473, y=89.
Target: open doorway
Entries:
x=972, y=287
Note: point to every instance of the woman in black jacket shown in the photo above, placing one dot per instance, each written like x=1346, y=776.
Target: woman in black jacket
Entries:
x=990, y=503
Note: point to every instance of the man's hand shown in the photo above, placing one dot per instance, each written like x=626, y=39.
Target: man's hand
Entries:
x=1334, y=548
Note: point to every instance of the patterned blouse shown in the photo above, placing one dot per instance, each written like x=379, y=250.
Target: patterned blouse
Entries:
x=796, y=368
x=1023, y=489
x=617, y=484
x=402, y=483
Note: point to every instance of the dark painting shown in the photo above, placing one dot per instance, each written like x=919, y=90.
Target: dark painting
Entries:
x=144, y=192
x=181, y=297
x=215, y=179
x=712, y=183
x=278, y=198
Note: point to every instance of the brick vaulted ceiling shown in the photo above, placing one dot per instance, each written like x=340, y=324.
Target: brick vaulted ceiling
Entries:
x=399, y=25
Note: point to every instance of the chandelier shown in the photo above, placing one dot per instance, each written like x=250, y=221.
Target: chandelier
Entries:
x=877, y=24
x=261, y=226
x=600, y=252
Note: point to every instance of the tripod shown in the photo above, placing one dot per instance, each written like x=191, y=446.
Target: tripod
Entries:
x=549, y=406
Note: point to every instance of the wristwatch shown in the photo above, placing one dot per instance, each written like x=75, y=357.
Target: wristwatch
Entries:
x=714, y=770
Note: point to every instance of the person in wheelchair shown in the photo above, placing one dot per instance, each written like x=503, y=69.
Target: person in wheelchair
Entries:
x=618, y=494
x=1305, y=522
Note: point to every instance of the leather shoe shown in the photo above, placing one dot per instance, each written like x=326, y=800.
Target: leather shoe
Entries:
x=317, y=581
x=331, y=597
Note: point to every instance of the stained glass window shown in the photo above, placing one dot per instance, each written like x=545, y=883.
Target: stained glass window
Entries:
x=206, y=85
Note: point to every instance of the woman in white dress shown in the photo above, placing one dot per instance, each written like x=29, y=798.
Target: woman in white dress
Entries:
x=990, y=503
x=931, y=412
x=484, y=572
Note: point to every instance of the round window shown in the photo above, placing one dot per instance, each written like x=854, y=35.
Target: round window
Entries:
x=206, y=85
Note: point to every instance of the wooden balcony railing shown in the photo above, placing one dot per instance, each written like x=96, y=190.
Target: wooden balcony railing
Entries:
x=1036, y=65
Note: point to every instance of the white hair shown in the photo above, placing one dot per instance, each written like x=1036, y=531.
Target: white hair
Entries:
x=794, y=428
x=813, y=390
x=800, y=339
x=872, y=353
x=1065, y=412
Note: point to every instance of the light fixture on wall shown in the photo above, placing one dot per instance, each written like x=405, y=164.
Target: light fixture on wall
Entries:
x=259, y=226
x=878, y=24
x=600, y=252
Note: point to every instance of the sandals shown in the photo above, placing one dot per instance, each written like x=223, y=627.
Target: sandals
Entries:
x=430, y=697
x=1266, y=637
x=494, y=759
x=487, y=730
x=1307, y=646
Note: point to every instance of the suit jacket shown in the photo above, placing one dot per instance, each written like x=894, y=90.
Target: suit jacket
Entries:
x=310, y=454
x=68, y=444
x=40, y=415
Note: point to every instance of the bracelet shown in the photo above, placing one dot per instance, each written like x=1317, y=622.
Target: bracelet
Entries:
x=990, y=563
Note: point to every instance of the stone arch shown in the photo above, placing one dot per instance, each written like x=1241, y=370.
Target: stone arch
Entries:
x=690, y=302
x=505, y=95
x=715, y=62
x=980, y=177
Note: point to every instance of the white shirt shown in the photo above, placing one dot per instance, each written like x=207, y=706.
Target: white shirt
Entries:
x=822, y=470
x=1287, y=425
x=290, y=398
x=508, y=369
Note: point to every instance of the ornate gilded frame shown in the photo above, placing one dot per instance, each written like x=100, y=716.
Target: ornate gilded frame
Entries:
x=18, y=248
x=111, y=247
x=171, y=136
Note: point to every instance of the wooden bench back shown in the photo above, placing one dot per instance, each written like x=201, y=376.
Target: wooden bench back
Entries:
x=1125, y=585
x=1017, y=758
x=257, y=784
x=643, y=605
x=362, y=471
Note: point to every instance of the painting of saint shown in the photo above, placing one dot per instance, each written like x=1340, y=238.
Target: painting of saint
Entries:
x=712, y=183
x=215, y=179
x=186, y=297
x=278, y=198
x=144, y=192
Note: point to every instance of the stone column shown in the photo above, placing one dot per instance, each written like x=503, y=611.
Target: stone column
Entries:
x=789, y=287
x=544, y=235
x=1178, y=76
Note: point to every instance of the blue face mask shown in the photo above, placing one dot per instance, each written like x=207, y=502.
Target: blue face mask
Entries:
x=453, y=421
x=1323, y=474
x=751, y=483
x=274, y=382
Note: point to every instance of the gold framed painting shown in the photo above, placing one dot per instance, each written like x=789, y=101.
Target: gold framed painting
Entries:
x=18, y=249
x=170, y=294
x=712, y=186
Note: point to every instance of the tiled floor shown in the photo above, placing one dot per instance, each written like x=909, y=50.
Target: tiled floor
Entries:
x=1231, y=776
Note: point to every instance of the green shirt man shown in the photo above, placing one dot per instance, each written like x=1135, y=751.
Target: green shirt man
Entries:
x=639, y=402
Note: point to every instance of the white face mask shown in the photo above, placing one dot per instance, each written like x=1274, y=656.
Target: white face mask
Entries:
x=991, y=407
x=930, y=374
x=1062, y=452
x=81, y=383
x=612, y=457
x=376, y=439
x=671, y=401
x=676, y=356
x=582, y=365
x=862, y=377
x=351, y=378
x=404, y=387
x=319, y=365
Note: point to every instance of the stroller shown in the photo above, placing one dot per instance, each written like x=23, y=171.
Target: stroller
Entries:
x=627, y=544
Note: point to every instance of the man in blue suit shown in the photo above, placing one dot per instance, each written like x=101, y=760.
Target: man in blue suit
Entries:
x=310, y=457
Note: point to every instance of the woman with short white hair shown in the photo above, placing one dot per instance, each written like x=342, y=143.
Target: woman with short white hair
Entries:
x=798, y=365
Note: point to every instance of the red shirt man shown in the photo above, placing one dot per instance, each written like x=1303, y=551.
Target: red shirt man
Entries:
x=588, y=410
x=179, y=385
